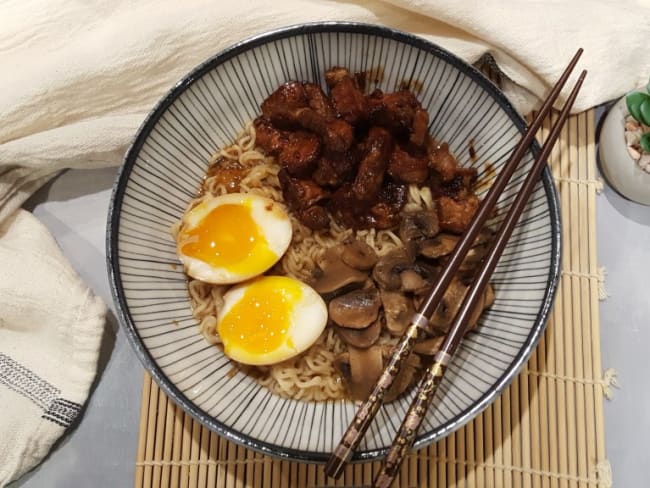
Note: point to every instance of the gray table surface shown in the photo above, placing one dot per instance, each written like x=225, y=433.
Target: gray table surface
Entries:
x=100, y=450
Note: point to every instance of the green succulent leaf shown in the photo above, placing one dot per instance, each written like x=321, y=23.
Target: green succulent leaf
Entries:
x=645, y=142
x=648, y=86
x=634, y=101
x=644, y=111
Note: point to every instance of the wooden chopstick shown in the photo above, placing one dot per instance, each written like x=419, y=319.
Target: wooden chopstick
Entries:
x=364, y=416
x=417, y=411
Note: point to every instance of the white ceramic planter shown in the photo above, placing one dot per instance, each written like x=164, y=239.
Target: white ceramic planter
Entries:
x=620, y=170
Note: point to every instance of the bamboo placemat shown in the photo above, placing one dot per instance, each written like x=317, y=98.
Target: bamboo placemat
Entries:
x=546, y=430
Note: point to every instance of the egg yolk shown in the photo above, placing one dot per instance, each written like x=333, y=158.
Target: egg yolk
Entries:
x=259, y=322
x=228, y=237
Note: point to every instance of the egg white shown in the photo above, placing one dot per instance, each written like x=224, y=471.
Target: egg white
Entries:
x=274, y=224
x=306, y=323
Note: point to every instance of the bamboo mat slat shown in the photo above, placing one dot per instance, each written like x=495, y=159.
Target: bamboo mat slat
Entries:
x=545, y=431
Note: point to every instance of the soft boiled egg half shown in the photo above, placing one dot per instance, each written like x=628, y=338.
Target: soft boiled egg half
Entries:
x=270, y=319
x=233, y=237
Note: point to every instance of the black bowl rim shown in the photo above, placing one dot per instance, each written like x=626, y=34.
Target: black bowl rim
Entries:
x=113, y=221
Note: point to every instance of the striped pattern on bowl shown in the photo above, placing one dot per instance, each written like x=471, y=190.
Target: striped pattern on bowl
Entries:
x=204, y=112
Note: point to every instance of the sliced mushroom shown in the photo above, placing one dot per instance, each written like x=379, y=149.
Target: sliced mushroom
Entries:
x=449, y=305
x=404, y=378
x=356, y=309
x=486, y=301
x=360, y=369
x=451, y=301
x=476, y=313
x=417, y=226
x=483, y=236
x=443, y=243
x=334, y=275
x=412, y=281
x=473, y=258
x=429, y=346
x=359, y=255
x=387, y=270
x=398, y=310
x=361, y=338
x=438, y=246
x=396, y=271
x=489, y=297
x=417, y=278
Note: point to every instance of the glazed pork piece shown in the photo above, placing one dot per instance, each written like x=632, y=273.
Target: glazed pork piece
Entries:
x=336, y=134
x=455, y=216
x=383, y=213
x=297, y=151
x=333, y=169
x=352, y=155
x=394, y=111
x=281, y=106
x=289, y=108
x=300, y=152
x=347, y=98
x=318, y=101
x=377, y=149
x=409, y=164
x=303, y=198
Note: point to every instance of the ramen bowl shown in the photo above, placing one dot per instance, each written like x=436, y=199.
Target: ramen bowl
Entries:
x=162, y=172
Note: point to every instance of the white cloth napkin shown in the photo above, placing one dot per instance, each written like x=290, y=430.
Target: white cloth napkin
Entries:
x=50, y=330
x=77, y=78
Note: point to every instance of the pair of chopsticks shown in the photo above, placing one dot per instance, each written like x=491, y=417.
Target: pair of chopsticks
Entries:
x=431, y=379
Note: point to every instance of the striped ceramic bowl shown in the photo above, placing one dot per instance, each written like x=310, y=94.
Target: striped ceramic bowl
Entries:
x=163, y=169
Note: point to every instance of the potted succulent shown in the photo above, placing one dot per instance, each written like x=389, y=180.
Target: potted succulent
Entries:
x=624, y=146
x=637, y=127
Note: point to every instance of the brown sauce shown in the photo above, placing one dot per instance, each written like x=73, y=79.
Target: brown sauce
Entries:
x=226, y=173
x=472, y=150
x=487, y=178
x=416, y=86
x=373, y=75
